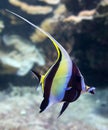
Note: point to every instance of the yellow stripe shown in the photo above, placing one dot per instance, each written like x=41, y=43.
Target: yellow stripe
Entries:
x=44, y=76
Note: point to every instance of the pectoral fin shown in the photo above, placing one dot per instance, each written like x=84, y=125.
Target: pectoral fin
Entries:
x=38, y=76
x=65, y=105
x=69, y=88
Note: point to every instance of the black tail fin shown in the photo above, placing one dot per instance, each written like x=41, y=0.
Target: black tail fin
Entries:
x=65, y=105
x=38, y=76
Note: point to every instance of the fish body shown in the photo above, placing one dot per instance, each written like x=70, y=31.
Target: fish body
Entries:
x=63, y=82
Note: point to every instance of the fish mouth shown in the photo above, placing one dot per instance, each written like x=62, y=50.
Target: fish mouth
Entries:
x=92, y=90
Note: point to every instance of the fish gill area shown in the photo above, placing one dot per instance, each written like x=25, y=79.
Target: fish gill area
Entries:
x=81, y=27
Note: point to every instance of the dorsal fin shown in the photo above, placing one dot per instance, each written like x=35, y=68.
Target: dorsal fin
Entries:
x=56, y=44
x=58, y=47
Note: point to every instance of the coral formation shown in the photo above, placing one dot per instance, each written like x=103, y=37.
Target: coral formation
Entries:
x=52, y=2
x=19, y=55
x=60, y=10
x=31, y=9
x=48, y=25
x=83, y=15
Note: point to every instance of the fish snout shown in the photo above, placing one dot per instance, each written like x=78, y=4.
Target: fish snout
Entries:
x=91, y=90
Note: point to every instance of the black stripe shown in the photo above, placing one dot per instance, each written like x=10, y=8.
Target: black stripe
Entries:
x=75, y=80
x=48, y=83
x=70, y=95
x=75, y=83
x=50, y=77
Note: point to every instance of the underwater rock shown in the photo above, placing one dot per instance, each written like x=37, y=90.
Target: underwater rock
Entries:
x=31, y=9
x=19, y=55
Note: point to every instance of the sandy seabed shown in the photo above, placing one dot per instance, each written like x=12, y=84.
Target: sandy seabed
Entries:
x=19, y=110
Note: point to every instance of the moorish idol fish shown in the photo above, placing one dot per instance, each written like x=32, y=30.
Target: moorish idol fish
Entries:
x=63, y=82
